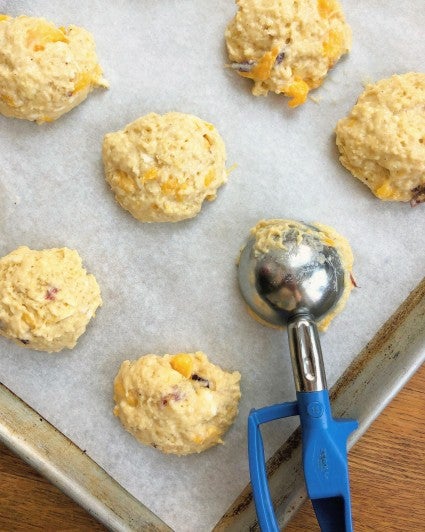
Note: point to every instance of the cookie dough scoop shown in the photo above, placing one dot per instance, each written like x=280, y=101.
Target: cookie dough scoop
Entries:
x=295, y=284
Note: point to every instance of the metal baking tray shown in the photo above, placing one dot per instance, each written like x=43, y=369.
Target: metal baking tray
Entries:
x=38, y=217
x=375, y=376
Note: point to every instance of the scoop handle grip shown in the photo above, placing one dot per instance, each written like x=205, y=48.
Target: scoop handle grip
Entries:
x=325, y=460
x=257, y=461
x=324, y=449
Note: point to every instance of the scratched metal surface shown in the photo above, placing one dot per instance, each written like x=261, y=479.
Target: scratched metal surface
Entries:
x=56, y=457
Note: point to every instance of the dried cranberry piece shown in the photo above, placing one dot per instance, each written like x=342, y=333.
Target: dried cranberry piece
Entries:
x=201, y=380
x=418, y=195
x=176, y=395
x=279, y=58
x=51, y=293
x=353, y=281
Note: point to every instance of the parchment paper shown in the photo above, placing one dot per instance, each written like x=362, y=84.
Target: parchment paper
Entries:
x=169, y=288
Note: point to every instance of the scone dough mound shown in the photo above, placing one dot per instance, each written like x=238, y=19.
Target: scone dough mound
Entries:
x=46, y=298
x=382, y=140
x=287, y=46
x=45, y=71
x=179, y=404
x=162, y=167
x=268, y=236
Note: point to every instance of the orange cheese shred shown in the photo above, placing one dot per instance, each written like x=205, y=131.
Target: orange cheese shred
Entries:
x=298, y=91
x=263, y=68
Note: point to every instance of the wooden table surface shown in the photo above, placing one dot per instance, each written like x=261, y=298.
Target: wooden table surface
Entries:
x=387, y=479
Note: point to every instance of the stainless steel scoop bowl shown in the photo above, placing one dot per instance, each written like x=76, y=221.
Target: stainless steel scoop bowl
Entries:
x=302, y=276
x=296, y=279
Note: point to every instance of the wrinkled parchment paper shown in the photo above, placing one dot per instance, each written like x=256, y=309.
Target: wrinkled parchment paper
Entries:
x=169, y=288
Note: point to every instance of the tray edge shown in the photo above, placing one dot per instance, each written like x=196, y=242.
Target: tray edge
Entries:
x=67, y=466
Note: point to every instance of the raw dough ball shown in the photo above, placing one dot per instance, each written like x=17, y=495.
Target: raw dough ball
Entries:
x=382, y=140
x=46, y=298
x=180, y=404
x=45, y=71
x=268, y=235
x=162, y=167
x=287, y=46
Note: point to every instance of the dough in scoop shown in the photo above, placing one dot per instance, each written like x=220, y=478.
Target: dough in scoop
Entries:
x=268, y=236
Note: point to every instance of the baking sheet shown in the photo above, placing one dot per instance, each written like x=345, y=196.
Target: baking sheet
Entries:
x=170, y=288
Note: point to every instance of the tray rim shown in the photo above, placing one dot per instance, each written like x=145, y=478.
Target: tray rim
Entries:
x=375, y=376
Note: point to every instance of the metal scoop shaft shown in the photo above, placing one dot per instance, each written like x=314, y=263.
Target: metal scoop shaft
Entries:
x=306, y=355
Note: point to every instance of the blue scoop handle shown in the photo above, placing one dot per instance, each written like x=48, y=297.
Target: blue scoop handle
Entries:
x=324, y=441
x=257, y=461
